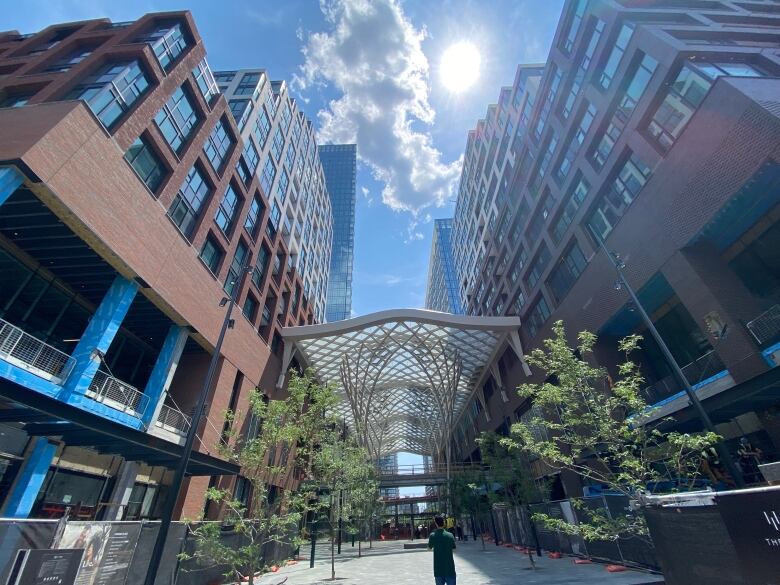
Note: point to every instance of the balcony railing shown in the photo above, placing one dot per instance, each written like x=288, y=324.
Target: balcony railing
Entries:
x=704, y=367
x=117, y=395
x=32, y=354
x=766, y=327
x=173, y=419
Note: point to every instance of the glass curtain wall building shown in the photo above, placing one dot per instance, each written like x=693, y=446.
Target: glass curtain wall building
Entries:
x=339, y=163
x=442, y=293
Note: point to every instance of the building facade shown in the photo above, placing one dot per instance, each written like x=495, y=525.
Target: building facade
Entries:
x=280, y=146
x=442, y=291
x=339, y=162
x=654, y=128
x=130, y=211
x=389, y=464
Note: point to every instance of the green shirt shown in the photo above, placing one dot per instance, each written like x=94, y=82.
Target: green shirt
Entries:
x=442, y=543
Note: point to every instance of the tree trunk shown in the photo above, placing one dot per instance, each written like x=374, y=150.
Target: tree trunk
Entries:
x=332, y=554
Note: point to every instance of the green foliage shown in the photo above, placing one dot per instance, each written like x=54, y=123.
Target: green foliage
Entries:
x=509, y=468
x=593, y=425
x=294, y=428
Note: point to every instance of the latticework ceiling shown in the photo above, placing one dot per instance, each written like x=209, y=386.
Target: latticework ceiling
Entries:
x=404, y=375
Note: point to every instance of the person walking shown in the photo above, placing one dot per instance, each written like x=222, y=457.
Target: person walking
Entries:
x=442, y=543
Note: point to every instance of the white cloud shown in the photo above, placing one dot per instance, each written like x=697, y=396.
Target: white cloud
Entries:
x=373, y=57
x=367, y=196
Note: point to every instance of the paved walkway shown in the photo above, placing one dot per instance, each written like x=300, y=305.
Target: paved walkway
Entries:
x=389, y=564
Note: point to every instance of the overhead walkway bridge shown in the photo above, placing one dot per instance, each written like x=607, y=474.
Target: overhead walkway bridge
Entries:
x=417, y=475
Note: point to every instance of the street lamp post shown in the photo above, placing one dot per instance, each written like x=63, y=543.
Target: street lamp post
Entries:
x=173, y=493
x=723, y=452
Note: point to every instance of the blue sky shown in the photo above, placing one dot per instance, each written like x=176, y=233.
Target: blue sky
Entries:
x=367, y=71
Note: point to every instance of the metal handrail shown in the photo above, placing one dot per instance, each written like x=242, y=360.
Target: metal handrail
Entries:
x=173, y=418
x=700, y=369
x=432, y=469
x=766, y=327
x=32, y=354
x=116, y=394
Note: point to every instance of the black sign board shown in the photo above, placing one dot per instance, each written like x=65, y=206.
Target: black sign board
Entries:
x=45, y=567
x=753, y=522
x=108, y=550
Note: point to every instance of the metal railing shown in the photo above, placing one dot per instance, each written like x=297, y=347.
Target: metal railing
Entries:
x=766, y=327
x=432, y=469
x=32, y=354
x=117, y=395
x=174, y=419
x=702, y=368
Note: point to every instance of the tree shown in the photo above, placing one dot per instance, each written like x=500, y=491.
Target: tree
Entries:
x=465, y=495
x=595, y=427
x=295, y=427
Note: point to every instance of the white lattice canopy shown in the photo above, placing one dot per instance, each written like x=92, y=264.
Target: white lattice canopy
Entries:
x=404, y=375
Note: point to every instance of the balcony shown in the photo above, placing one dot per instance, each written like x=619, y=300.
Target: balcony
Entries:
x=33, y=355
x=698, y=373
x=117, y=395
x=765, y=328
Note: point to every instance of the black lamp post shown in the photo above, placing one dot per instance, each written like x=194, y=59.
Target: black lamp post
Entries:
x=173, y=493
x=622, y=282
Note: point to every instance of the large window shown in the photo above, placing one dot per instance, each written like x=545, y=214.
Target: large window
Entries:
x=167, y=42
x=211, y=254
x=262, y=127
x=112, y=90
x=624, y=109
x=241, y=110
x=273, y=221
x=73, y=58
x=277, y=147
x=227, y=210
x=236, y=268
x=616, y=55
x=569, y=209
x=549, y=99
x=574, y=25
x=537, y=316
x=253, y=216
x=205, y=81
x=579, y=77
x=286, y=117
x=538, y=265
x=177, y=119
x=218, y=144
x=247, y=164
x=268, y=176
x=146, y=163
x=566, y=272
x=188, y=201
x=519, y=264
x=261, y=266
x=248, y=84
x=576, y=142
x=281, y=186
x=611, y=206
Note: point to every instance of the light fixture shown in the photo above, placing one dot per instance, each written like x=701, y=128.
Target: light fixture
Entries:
x=224, y=301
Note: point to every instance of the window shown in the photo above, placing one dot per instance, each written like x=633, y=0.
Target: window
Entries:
x=273, y=221
x=544, y=163
x=224, y=76
x=177, y=119
x=211, y=254
x=167, y=42
x=538, y=265
x=248, y=84
x=188, y=201
x=536, y=225
x=537, y=316
x=262, y=128
x=576, y=142
x=205, y=81
x=250, y=307
x=278, y=145
x=289, y=157
x=686, y=94
x=566, y=272
x=253, y=216
x=226, y=212
x=57, y=37
x=582, y=70
x=268, y=176
x=281, y=186
x=574, y=25
x=15, y=101
x=146, y=163
x=624, y=109
x=68, y=61
x=613, y=204
x=517, y=267
x=286, y=117
x=218, y=144
x=261, y=266
x=519, y=302
x=569, y=209
x=236, y=269
x=249, y=159
x=616, y=55
x=112, y=90
x=270, y=103
x=265, y=318
x=297, y=132
x=552, y=92
x=241, y=109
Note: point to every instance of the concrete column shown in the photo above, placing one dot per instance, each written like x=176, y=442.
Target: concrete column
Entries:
x=98, y=335
x=28, y=483
x=163, y=371
x=123, y=487
x=709, y=288
x=10, y=180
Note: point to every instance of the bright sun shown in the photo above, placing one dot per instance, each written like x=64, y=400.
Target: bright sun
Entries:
x=459, y=68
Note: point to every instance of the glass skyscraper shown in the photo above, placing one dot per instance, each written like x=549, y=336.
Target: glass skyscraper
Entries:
x=442, y=292
x=339, y=162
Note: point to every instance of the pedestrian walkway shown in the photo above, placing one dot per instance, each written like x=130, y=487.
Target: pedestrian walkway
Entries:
x=387, y=563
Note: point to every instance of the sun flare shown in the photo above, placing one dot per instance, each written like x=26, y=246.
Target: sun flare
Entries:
x=459, y=68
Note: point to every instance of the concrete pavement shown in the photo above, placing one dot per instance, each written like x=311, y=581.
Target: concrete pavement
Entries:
x=388, y=564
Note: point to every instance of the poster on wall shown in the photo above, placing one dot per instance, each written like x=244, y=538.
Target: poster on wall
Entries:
x=45, y=567
x=753, y=522
x=108, y=550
